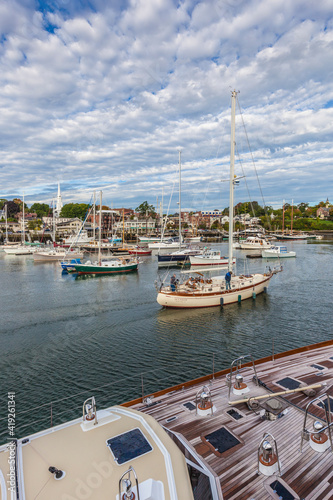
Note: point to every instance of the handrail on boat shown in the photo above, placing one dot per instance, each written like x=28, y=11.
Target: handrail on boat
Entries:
x=319, y=428
x=238, y=364
x=267, y=450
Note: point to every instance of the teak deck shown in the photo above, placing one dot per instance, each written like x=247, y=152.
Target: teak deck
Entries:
x=309, y=474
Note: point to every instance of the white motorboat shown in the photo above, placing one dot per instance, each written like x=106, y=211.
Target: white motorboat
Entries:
x=179, y=256
x=193, y=239
x=57, y=255
x=93, y=246
x=253, y=243
x=210, y=258
x=149, y=239
x=277, y=252
x=167, y=245
x=19, y=250
x=78, y=239
x=201, y=292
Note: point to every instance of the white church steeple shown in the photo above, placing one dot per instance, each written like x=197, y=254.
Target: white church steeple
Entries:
x=59, y=204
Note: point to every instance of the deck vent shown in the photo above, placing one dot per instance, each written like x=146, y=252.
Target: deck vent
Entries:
x=289, y=383
x=318, y=367
x=274, y=408
x=234, y=414
x=171, y=419
x=221, y=440
x=189, y=405
x=128, y=446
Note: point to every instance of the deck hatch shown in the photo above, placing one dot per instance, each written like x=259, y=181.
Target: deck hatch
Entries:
x=234, y=414
x=326, y=405
x=127, y=446
x=281, y=491
x=189, y=405
x=289, y=383
x=318, y=367
x=222, y=440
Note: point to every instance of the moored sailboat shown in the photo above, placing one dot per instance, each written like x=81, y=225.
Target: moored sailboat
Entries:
x=122, y=265
x=200, y=292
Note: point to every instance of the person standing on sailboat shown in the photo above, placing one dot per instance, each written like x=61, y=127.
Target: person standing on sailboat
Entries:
x=228, y=279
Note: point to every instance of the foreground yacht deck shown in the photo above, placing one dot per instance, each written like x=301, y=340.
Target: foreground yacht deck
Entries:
x=229, y=439
x=260, y=430
x=93, y=457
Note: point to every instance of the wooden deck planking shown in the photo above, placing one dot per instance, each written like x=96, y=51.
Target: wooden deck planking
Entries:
x=308, y=473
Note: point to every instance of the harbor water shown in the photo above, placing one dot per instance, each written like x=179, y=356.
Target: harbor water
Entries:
x=64, y=338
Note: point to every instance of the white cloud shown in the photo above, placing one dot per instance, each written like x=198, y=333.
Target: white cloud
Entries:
x=93, y=97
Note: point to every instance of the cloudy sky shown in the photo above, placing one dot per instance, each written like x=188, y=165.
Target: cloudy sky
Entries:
x=101, y=94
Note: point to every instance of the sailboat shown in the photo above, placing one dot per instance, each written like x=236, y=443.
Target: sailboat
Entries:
x=21, y=249
x=55, y=254
x=184, y=252
x=291, y=236
x=200, y=292
x=122, y=265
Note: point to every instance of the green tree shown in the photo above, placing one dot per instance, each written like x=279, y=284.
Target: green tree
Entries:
x=41, y=209
x=3, y=201
x=302, y=207
x=146, y=209
x=34, y=224
x=72, y=210
x=12, y=209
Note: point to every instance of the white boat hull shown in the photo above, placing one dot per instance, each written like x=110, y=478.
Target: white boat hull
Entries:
x=193, y=239
x=165, y=246
x=248, y=246
x=268, y=254
x=242, y=288
x=56, y=256
x=205, y=261
x=20, y=250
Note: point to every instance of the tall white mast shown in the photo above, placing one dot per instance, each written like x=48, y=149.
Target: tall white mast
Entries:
x=292, y=216
x=6, y=223
x=23, y=225
x=100, y=229
x=232, y=176
x=53, y=228
x=180, y=209
x=94, y=233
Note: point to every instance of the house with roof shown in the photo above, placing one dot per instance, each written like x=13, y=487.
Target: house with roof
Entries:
x=323, y=212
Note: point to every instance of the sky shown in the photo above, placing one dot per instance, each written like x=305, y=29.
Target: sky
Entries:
x=103, y=94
